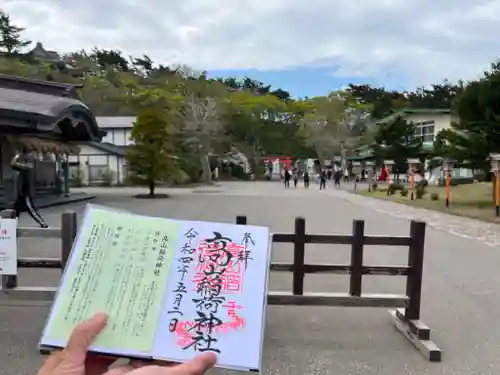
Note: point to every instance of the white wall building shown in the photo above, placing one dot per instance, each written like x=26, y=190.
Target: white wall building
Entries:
x=428, y=123
x=104, y=163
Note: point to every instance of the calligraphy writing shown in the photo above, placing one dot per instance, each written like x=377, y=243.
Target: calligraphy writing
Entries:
x=219, y=274
x=183, y=266
x=161, y=255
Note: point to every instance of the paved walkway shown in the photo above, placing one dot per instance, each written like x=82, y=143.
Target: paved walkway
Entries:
x=460, y=286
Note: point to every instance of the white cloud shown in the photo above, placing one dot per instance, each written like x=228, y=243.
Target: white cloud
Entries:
x=404, y=42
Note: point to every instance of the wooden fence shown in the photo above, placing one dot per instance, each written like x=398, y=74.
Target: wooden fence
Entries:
x=67, y=233
x=406, y=312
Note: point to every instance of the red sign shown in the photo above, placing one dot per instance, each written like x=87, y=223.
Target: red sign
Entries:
x=286, y=161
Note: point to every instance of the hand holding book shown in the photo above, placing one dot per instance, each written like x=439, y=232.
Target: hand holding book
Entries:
x=171, y=288
x=74, y=359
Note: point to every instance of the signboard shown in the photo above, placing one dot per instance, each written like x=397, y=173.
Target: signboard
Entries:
x=8, y=246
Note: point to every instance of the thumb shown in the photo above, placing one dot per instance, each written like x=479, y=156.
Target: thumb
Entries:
x=198, y=365
x=82, y=336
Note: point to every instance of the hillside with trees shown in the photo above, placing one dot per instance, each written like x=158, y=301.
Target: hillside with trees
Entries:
x=203, y=116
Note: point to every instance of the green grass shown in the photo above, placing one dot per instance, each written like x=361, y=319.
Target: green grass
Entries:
x=471, y=200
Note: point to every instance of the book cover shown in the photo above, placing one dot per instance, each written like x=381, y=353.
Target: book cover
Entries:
x=171, y=288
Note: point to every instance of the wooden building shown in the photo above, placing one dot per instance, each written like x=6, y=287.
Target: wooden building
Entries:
x=46, y=119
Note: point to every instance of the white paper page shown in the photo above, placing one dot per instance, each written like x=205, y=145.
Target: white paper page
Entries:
x=195, y=309
x=120, y=264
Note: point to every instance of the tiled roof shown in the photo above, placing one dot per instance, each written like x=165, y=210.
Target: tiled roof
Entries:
x=43, y=112
x=39, y=86
x=411, y=111
x=43, y=104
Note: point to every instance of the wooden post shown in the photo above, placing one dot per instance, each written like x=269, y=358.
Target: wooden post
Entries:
x=8, y=281
x=497, y=193
x=412, y=185
x=416, y=265
x=388, y=181
x=299, y=254
x=448, y=189
x=358, y=234
x=241, y=220
x=68, y=235
x=66, y=176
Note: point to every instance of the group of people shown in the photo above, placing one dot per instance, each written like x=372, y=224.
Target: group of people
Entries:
x=295, y=175
x=324, y=175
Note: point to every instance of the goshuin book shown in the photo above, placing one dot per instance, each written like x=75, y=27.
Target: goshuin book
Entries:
x=171, y=288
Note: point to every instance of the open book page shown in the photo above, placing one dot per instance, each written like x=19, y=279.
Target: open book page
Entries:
x=216, y=295
x=119, y=264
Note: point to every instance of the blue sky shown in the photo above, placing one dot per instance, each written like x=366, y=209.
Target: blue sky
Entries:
x=298, y=82
x=301, y=82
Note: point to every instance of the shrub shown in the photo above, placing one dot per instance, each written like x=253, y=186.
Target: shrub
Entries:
x=434, y=197
x=395, y=187
x=404, y=193
x=180, y=178
x=420, y=191
x=76, y=178
x=107, y=177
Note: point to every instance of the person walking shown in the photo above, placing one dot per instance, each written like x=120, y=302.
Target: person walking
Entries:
x=336, y=178
x=295, y=176
x=306, y=179
x=24, y=201
x=346, y=176
x=287, y=178
x=322, y=179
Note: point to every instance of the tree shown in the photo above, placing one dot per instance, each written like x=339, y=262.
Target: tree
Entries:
x=151, y=159
x=10, y=35
x=143, y=65
x=477, y=133
x=438, y=96
x=110, y=59
x=335, y=124
x=202, y=119
x=249, y=117
x=396, y=140
x=382, y=102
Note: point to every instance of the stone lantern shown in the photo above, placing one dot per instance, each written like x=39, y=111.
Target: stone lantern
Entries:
x=369, y=165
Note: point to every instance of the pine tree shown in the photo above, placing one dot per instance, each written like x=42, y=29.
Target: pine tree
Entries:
x=396, y=141
x=10, y=35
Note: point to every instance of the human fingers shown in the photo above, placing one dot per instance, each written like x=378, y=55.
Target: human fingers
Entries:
x=51, y=363
x=198, y=365
x=121, y=370
x=125, y=369
x=82, y=336
x=141, y=363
